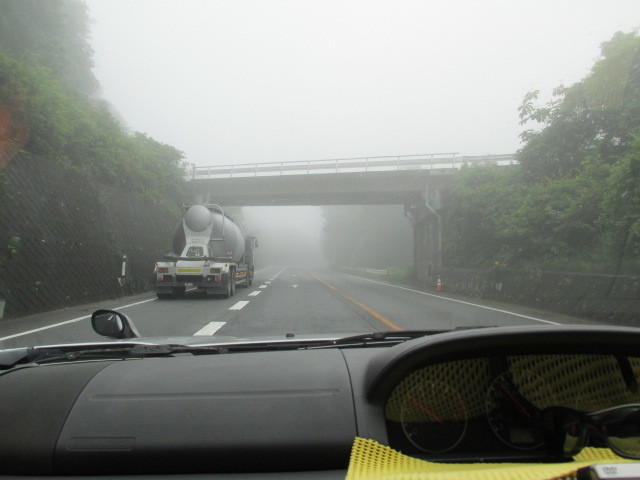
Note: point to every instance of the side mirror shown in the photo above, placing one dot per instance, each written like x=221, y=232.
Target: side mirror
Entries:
x=112, y=324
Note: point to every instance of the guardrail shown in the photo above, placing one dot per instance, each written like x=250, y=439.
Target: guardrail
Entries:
x=430, y=161
x=366, y=271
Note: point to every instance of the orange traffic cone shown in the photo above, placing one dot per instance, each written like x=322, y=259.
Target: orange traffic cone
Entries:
x=439, y=285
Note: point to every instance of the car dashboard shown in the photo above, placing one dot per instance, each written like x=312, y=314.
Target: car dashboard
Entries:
x=468, y=395
x=488, y=408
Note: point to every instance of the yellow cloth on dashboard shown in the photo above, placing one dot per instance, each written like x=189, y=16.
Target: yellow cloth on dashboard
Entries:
x=370, y=460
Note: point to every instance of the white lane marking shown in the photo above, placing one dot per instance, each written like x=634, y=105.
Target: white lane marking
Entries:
x=262, y=286
x=209, y=329
x=254, y=293
x=239, y=305
x=294, y=286
x=35, y=330
x=294, y=275
x=267, y=283
x=458, y=301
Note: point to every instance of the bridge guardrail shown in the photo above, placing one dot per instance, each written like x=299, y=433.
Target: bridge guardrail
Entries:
x=366, y=271
x=431, y=161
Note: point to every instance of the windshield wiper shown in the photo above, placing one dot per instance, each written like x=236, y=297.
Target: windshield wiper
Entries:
x=376, y=338
x=123, y=351
x=34, y=356
x=391, y=337
x=114, y=351
x=12, y=357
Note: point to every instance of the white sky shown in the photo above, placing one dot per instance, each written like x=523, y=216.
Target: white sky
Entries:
x=253, y=81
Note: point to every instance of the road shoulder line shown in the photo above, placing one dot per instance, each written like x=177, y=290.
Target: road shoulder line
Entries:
x=73, y=320
x=455, y=300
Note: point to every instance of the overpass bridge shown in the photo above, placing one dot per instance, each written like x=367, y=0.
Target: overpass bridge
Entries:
x=415, y=181
x=349, y=181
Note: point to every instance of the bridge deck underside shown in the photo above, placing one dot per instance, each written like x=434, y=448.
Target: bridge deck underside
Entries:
x=322, y=189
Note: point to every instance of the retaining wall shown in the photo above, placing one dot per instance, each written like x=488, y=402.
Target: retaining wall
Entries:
x=73, y=235
x=613, y=299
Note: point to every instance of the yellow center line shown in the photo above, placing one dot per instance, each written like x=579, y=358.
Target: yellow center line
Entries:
x=370, y=311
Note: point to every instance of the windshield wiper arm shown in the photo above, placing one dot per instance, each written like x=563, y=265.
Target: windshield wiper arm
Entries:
x=11, y=358
x=377, y=338
x=115, y=351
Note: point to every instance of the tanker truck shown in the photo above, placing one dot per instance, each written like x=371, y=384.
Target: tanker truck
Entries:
x=210, y=252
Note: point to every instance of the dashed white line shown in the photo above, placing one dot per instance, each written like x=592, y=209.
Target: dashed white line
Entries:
x=239, y=305
x=209, y=329
x=262, y=286
x=457, y=301
x=254, y=293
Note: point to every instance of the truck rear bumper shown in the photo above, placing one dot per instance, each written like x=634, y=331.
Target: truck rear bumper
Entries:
x=163, y=289
x=208, y=284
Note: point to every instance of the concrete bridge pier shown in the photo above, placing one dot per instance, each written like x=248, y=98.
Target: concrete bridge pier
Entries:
x=427, y=235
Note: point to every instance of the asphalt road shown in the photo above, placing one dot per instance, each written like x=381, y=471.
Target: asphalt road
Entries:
x=281, y=300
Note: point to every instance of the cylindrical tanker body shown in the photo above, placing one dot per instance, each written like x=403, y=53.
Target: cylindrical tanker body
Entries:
x=205, y=232
x=209, y=253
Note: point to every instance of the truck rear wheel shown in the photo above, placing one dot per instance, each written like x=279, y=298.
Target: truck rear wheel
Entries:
x=163, y=296
x=227, y=292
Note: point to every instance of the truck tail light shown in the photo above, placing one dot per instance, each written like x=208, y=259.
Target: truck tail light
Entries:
x=160, y=278
x=215, y=270
x=163, y=270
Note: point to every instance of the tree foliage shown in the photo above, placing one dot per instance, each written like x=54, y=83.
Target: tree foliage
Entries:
x=597, y=117
x=53, y=34
x=43, y=88
x=574, y=201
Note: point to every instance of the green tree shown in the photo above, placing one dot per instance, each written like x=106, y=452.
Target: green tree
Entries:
x=574, y=200
x=596, y=117
x=53, y=34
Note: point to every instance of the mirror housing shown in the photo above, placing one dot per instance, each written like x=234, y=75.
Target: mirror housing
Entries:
x=112, y=324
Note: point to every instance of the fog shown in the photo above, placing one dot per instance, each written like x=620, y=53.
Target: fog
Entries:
x=231, y=82
x=286, y=235
x=254, y=81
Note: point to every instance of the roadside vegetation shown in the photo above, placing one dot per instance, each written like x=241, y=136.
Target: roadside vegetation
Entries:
x=50, y=105
x=573, y=203
x=401, y=275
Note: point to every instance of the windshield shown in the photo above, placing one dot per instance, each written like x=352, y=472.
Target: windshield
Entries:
x=303, y=169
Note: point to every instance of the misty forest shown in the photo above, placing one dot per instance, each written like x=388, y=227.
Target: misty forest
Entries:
x=572, y=203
